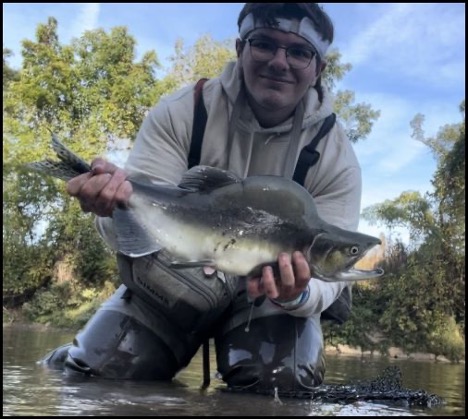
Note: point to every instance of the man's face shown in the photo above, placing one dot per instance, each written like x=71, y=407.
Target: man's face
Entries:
x=274, y=85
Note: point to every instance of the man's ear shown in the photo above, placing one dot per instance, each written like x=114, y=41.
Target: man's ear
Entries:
x=239, y=47
x=322, y=67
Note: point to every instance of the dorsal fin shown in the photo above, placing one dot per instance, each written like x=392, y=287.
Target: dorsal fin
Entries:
x=205, y=178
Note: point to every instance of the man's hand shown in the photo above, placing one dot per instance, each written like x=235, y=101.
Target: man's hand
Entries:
x=100, y=190
x=294, y=277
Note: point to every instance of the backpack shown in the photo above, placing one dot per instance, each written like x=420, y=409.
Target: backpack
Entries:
x=339, y=311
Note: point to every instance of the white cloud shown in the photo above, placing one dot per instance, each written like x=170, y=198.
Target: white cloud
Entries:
x=390, y=145
x=87, y=19
x=400, y=233
x=390, y=134
x=425, y=41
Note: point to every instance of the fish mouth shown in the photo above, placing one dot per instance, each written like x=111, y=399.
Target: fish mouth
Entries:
x=354, y=274
x=347, y=275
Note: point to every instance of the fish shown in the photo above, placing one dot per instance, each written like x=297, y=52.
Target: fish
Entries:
x=237, y=226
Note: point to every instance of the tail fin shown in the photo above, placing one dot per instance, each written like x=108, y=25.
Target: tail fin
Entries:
x=69, y=167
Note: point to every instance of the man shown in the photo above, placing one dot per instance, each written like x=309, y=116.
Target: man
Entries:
x=261, y=112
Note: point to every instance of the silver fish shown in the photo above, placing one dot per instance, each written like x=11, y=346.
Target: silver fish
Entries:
x=214, y=218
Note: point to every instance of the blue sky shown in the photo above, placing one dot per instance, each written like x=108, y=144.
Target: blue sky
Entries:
x=407, y=58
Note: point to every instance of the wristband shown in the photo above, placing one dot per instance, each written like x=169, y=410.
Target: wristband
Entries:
x=290, y=305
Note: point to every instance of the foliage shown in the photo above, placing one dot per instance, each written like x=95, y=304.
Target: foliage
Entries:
x=8, y=73
x=447, y=340
x=361, y=329
x=66, y=305
x=90, y=93
x=358, y=119
x=206, y=58
x=419, y=305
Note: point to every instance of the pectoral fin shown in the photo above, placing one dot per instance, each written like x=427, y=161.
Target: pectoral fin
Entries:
x=133, y=239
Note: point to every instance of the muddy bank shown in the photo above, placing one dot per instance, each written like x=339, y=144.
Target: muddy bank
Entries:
x=393, y=352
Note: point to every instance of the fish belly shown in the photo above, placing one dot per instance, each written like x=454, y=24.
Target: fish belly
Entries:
x=232, y=253
x=243, y=255
x=191, y=236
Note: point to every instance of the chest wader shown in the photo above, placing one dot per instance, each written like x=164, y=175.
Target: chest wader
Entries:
x=272, y=354
x=260, y=352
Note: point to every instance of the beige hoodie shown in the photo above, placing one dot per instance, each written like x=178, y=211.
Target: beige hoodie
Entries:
x=162, y=145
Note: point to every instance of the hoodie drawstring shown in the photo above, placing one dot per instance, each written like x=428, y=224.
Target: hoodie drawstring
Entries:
x=294, y=140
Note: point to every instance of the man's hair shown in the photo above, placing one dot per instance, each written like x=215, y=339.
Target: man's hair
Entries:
x=268, y=12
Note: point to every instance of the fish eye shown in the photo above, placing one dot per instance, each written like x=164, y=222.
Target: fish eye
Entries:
x=354, y=250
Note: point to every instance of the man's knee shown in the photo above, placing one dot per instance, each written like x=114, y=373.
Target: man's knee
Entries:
x=279, y=352
x=57, y=357
x=126, y=339
x=116, y=346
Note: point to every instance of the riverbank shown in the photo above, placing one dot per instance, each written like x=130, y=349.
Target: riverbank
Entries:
x=393, y=352
x=339, y=350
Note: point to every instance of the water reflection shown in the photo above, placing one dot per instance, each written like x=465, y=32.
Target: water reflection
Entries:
x=31, y=389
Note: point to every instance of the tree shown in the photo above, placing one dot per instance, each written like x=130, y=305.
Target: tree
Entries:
x=8, y=73
x=358, y=119
x=428, y=296
x=89, y=93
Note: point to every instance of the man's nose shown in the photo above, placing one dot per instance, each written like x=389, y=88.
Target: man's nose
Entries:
x=280, y=60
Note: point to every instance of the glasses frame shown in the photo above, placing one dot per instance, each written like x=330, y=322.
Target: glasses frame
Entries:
x=277, y=47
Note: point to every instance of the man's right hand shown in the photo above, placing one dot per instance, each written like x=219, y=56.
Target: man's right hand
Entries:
x=101, y=189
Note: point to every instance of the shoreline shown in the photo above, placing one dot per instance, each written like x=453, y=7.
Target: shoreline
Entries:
x=339, y=350
x=393, y=353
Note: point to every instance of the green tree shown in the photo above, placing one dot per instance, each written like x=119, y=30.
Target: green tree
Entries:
x=89, y=93
x=358, y=119
x=426, y=297
x=9, y=74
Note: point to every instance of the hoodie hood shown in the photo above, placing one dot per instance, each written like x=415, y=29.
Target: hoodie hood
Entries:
x=314, y=111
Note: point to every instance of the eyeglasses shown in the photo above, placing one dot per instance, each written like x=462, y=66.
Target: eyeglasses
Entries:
x=297, y=57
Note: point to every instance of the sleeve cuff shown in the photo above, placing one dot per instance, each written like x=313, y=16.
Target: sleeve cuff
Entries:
x=296, y=303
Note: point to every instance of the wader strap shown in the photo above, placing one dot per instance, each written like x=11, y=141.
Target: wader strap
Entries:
x=206, y=364
x=198, y=128
x=309, y=156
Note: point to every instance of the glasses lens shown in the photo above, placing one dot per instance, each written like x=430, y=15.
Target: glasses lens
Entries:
x=297, y=57
x=262, y=50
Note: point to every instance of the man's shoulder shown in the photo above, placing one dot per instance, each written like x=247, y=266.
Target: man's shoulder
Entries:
x=184, y=93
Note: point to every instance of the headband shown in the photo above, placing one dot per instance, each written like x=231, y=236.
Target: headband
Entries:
x=303, y=28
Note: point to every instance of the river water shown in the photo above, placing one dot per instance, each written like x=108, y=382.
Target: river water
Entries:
x=31, y=389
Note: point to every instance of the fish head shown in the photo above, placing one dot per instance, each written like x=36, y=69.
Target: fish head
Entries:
x=334, y=252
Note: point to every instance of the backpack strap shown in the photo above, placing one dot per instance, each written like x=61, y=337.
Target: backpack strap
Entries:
x=309, y=156
x=199, y=122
